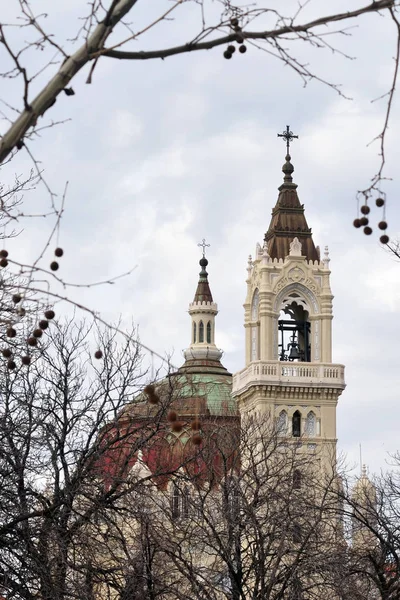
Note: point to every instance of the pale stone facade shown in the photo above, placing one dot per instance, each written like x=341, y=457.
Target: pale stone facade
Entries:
x=292, y=379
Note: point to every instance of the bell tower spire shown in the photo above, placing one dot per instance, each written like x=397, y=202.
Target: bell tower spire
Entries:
x=203, y=310
x=289, y=372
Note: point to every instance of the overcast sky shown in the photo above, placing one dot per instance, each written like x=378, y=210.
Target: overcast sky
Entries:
x=160, y=154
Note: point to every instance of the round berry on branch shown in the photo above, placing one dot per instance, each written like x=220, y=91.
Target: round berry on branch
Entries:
x=384, y=239
x=16, y=298
x=364, y=221
x=242, y=49
x=54, y=265
x=37, y=333
x=6, y=352
x=357, y=223
x=172, y=416
x=177, y=427
x=3, y=262
x=26, y=360
x=367, y=230
x=379, y=202
x=98, y=354
x=3, y=253
x=11, y=364
x=31, y=341
x=365, y=209
x=382, y=225
x=59, y=252
x=11, y=332
x=50, y=314
x=43, y=324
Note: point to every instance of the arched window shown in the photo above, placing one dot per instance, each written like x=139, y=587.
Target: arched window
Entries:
x=201, y=332
x=296, y=479
x=296, y=424
x=281, y=424
x=311, y=424
x=180, y=502
x=194, y=333
x=209, y=332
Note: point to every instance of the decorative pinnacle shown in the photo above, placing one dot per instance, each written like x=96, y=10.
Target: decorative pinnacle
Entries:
x=204, y=246
x=288, y=136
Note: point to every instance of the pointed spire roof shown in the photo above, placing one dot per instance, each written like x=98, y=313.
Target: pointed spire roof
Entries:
x=203, y=292
x=288, y=220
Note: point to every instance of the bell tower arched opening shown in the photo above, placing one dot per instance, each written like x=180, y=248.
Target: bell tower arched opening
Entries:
x=294, y=331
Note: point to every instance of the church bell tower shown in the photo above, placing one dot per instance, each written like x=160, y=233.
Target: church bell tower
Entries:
x=289, y=372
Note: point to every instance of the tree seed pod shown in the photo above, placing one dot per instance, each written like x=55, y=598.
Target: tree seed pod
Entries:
x=367, y=230
x=379, y=202
x=6, y=352
x=227, y=54
x=365, y=209
x=177, y=427
x=49, y=314
x=37, y=333
x=54, y=265
x=3, y=253
x=21, y=311
x=98, y=354
x=43, y=324
x=16, y=298
x=11, y=364
x=154, y=399
x=26, y=360
x=234, y=22
x=239, y=39
x=3, y=262
x=149, y=389
x=242, y=49
x=172, y=416
x=195, y=425
x=384, y=239
x=357, y=223
x=31, y=341
x=382, y=225
x=231, y=49
x=58, y=252
x=11, y=332
x=364, y=221
x=196, y=440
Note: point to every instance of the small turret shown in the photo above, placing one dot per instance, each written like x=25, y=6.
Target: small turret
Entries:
x=364, y=512
x=203, y=311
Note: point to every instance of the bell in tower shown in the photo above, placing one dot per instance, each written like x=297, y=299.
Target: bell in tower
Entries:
x=288, y=370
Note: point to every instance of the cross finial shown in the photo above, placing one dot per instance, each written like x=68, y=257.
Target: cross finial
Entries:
x=204, y=246
x=288, y=136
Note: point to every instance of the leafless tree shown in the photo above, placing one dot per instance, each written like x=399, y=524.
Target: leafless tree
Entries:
x=371, y=509
x=107, y=32
x=65, y=451
x=263, y=525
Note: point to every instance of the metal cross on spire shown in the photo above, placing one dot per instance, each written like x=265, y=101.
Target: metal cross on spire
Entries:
x=288, y=136
x=204, y=246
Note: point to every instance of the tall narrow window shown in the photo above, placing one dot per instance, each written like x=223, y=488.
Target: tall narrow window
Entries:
x=281, y=424
x=311, y=424
x=194, y=333
x=297, y=533
x=296, y=424
x=209, y=332
x=201, y=332
x=175, y=508
x=296, y=479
